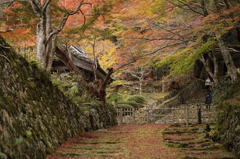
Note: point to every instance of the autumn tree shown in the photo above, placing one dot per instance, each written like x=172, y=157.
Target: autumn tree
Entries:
x=142, y=36
x=50, y=17
x=148, y=31
x=216, y=22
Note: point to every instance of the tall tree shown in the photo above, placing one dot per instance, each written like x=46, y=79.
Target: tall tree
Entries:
x=46, y=31
x=216, y=22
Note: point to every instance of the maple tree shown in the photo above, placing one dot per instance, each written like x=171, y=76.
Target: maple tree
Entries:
x=148, y=31
x=142, y=37
x=50, y=17
x=145, y=32
x=215, y=23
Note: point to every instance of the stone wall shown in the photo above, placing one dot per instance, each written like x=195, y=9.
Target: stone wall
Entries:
x=228, y=119
x=35, y=116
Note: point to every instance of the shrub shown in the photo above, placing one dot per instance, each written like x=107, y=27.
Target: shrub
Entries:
x=121, y=105
x=137, y=98
x=114, y=98
x=131, y=103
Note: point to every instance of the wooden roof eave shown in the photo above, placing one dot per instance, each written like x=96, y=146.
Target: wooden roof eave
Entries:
x=87, y=66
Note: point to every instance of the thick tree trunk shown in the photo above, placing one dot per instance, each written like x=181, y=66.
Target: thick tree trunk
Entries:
x=45, y=44
x=41, y=37
x=51, y=44
x=228, y=60
x=46, y=36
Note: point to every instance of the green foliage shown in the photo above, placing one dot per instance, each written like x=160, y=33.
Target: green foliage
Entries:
x=114, y=98
x=20, y=140
x=183, y=61
x=123, y=105
x=131, y=103
x=221, y=87
x=238, y=69
x=137, y=98
x=229, y=109
x=149, y=89
x=161, y=71
x=34, y=63
x=72, y=87
x=118, y=82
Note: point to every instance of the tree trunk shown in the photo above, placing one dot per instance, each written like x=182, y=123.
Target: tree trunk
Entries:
x=215, y=65
x=41, y=37
x=228, y=60
x=45, y=44
x=212, y=74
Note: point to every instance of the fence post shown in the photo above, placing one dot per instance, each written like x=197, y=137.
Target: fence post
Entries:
x=199, y=114
x=121, y=116
x=173, y=115
x=187, y=115
x=134, y=116
x=148, y=116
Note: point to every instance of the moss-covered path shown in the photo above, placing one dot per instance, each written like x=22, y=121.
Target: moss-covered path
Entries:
x=149, y=141
x=131, y=141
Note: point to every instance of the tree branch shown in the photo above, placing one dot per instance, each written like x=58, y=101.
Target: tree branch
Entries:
x=36, y=8
x=65, y=18
x=185, y=4
x=5, y=57
x=12, y=29
x=124, y=65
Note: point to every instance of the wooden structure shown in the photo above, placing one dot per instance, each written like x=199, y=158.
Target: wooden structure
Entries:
x=75, y=60
x=180, y=115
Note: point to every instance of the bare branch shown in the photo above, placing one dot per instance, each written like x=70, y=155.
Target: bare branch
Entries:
x=185, y=4
x=169, y=39
x=161, y=48
x=123, y=66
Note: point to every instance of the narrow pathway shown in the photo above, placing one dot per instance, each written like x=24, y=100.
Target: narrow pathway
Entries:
x=148, y=141
x=124, y=142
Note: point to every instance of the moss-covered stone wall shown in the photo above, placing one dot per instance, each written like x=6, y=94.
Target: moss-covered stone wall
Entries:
x=228, y=118
x=35, y=117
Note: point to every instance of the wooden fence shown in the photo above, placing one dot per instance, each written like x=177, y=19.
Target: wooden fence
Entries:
x=181, y=115
x=131, y=115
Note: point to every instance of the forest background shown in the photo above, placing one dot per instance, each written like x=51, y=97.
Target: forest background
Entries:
x=130, y=36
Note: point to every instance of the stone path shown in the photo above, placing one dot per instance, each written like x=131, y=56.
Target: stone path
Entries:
x=118, y=142
x=147, y=141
